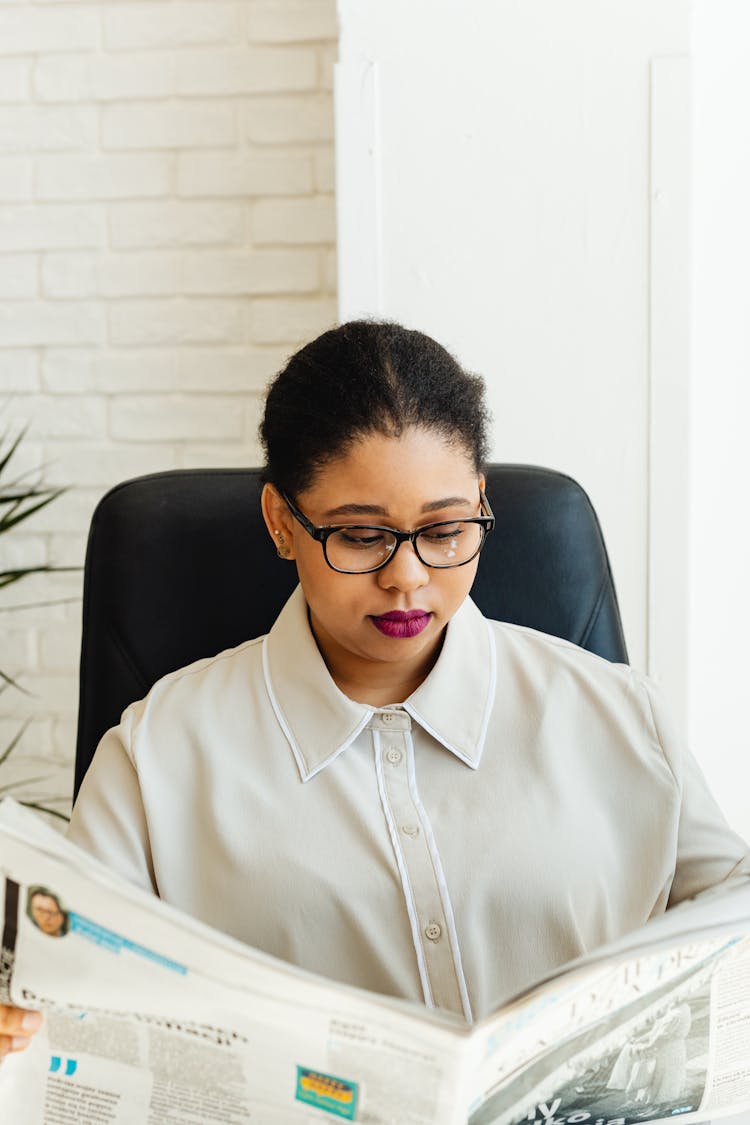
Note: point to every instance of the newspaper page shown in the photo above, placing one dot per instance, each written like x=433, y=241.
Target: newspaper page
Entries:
x=151, y=1017
x=656, y=1026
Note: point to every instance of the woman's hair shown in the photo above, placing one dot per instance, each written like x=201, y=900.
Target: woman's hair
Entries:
x=366, y=377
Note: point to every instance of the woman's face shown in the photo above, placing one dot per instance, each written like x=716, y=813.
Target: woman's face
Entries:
x=402, y=483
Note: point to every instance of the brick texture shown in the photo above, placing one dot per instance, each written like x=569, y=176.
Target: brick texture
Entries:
x=218, y=174
x=103, y=77
x=170, y=24
x=251, y=71
x=18, y=277
x=26, y=28
x=143, y=226
x=295, y=220
x=16, y=178
x=192, y=125
x=287, y=119
x=103, y=177
x=167, y=237
x=285, y=21
x=36, y=128
x=15, y=80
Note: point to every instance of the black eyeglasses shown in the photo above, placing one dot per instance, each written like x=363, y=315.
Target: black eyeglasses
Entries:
x=361, y=548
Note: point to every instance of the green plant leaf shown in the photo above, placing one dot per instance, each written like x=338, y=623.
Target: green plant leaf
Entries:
x=14, y=741
x=13, y=447
x=14, y=516
x=7, y=497
x=41, y=605
x=10, y=682
x=8, y=577
x=21, y=498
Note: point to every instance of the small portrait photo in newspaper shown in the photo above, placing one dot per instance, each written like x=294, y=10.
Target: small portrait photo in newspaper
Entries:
x=46, y=911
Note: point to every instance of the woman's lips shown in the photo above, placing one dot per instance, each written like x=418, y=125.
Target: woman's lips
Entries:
x=398, y=623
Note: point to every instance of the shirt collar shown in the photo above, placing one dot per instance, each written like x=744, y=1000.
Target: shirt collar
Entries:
x=320, y=722
x=454, y=703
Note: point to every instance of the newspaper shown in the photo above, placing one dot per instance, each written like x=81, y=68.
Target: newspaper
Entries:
x=153, y=1017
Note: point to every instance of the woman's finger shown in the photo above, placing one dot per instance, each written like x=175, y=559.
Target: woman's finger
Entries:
x=17, y=1025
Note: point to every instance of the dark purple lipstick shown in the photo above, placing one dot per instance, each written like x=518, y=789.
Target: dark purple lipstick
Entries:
x=402, y=623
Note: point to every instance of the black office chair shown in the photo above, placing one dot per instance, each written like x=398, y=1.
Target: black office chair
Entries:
x=179, y=566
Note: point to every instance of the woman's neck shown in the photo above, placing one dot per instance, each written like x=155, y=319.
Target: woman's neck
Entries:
x=376, y=683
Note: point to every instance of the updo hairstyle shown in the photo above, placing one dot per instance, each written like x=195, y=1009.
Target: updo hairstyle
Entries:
x=366, y=377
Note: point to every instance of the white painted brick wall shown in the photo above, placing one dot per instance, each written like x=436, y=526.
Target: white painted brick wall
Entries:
x=176, y=321
x=16, y=178
x=33, y=227
x=284, y=120
x=71, y=78
x=166, y=240
x=103, y=177
x=28, y=29
x=249, y=71
x=47, y=128
x=258, y=271
x=191, y=124
x=292, y=21
x=171, y=24
x=20, y=370
x=218, y=174
x=15, y=79
x=38, y=323
x=19, y=277
x=294, y=220
x=176, y=223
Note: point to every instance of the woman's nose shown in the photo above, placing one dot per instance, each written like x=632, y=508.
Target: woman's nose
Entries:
x=405, y=571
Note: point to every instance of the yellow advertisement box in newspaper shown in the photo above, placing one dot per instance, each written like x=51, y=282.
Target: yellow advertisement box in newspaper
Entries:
x=325, y=1091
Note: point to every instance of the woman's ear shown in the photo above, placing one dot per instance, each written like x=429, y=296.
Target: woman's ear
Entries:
x=278, y=520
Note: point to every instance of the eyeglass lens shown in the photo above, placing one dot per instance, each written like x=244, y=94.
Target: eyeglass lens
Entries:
x=359, y=549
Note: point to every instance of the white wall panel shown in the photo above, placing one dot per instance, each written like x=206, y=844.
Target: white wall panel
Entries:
x=514, y=212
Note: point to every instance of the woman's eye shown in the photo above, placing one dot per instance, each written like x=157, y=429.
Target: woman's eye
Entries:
x=442, y=534
x=361, y=539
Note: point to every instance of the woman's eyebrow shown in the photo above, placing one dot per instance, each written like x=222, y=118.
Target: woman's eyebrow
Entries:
x=378, y=510
x=448, y=502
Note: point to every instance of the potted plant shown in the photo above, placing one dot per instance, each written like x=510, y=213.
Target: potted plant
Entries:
x=21, y=497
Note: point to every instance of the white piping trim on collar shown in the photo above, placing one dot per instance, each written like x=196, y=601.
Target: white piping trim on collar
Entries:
x=489, y=703
x=305, y=772
x=491, y=693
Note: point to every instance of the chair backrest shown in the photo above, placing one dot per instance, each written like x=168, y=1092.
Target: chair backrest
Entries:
x=179, y=566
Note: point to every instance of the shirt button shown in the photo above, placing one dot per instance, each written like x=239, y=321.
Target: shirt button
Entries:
x=394, y=757
x=411, y=830
x=387, y=718
x=432, y=931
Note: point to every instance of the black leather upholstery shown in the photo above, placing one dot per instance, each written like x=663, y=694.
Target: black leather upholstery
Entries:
x=179, y=566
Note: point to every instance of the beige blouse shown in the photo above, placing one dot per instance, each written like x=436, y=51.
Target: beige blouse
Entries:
x=527, y=803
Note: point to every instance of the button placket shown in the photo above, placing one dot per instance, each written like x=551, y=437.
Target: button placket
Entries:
x=423, y=886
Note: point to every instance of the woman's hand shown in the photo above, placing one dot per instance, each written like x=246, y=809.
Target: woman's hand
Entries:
x=17, y=1025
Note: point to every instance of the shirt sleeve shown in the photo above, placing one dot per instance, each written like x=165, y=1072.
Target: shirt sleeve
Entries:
x=709, y=853
x=108, y=819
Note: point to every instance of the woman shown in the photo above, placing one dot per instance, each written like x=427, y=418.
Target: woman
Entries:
x=388, y=788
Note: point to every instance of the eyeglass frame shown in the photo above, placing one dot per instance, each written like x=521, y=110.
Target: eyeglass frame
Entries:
x=322, y=533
